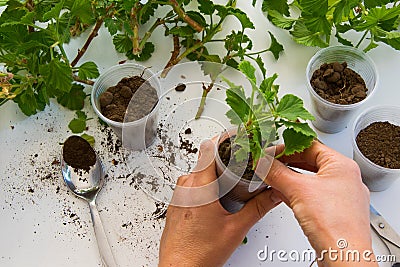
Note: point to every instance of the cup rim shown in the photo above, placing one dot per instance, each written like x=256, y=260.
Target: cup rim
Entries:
x=353, y=138
x=341, y=48
x=112, y=69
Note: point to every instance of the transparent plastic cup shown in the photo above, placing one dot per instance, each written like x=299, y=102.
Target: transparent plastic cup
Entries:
x=234, y=191
x=135, y=135
x=377, y=178
x=331, y=117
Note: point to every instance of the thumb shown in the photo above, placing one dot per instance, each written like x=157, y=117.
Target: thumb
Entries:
x=257, y=207
x=278, y=175
x=205, y=171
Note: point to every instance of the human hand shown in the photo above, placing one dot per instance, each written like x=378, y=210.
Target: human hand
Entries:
x=331, y=205
x=206, y=235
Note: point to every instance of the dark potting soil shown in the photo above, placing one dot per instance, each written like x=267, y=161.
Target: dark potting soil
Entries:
x=224, y=151
x=380, y=143
x=116, y=99
x=180, y=87
x=338, y=84
x=78, y=153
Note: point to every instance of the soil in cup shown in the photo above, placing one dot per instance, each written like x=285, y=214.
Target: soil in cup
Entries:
x=116, y=99
x=338, y=84
x=78, y=153
x=226, y=153
x=380, y=143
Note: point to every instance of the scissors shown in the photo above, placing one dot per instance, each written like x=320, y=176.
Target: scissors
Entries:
x=387, y=234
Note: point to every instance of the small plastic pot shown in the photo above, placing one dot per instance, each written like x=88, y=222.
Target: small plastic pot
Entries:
x=135, y=135
x=234, y=191
x=331, y=117
x=377, y=178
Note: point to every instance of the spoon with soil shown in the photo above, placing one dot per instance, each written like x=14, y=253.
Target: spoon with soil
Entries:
x=84, y=173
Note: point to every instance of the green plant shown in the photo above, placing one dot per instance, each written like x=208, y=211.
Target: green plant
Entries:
x=312, y=22
x=33, y=35
x=259, y=117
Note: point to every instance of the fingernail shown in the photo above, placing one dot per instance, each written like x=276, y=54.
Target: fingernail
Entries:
x=274, y=198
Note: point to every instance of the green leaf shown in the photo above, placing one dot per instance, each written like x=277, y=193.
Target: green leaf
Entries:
x=275, y=47
x=318, y=24
x=299, y=127
x=261, y=66
x=144, y=55
x=196, y=16
x=54, y=12
x=88, y=70
x=305, y=37
x=374, y=3
x=83, y=10
x=111, y=25
x=182, y=31
x=280, y=21
x=343, y=9
x=58, y=76
x=370, y=46
x=267, y=89
x=242, y=17
x=122, y=43
x=27, y=102
x=236, y=99
x=247, y=69
x=74, y=99
x=280, y=6
x=380, y=16
x=90, y=139
x=343, y=40
x=291, y=107
x=206, y=7
x=314, y=7
x=78, y=124
x=295, y=142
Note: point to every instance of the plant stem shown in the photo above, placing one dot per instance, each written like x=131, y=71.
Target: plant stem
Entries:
x=206, y=90
x=181, y=13
x=174, y=56
x=77, y=79
x=362, y=39
x=135, y=28
x=147, y=35
x=93, y=34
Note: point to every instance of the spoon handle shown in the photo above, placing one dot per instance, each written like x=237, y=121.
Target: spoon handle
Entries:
x=101, y=237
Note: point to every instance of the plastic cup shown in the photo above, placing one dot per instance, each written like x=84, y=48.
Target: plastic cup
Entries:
x=234, y=191
x=331, y=117
x=135, y=135
x=377, y=178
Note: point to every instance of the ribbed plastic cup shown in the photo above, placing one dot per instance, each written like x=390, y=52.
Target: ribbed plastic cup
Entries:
x=377, y=178
x=234, y=191
x=331, y=117
x=135, y=135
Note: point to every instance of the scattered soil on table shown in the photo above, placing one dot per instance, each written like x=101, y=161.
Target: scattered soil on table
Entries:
x=180, y=87
x=115, y=101
x=78, y=153
x=225, y=152
x=380, y=143
x=339, y=84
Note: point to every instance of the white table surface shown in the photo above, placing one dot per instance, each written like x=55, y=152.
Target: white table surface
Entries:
x=42, y=224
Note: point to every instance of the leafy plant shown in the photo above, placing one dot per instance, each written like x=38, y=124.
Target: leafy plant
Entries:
x=259, y=117
x=33, y=35
x=376, y=20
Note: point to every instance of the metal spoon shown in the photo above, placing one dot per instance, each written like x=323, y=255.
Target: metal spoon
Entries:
x=86, y=185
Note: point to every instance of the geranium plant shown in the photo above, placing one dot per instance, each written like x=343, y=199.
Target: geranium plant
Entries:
x=258, y=117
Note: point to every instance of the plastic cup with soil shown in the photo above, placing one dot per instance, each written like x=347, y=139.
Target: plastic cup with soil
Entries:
x=238, y=183
x=376, y=146
x=339, y=79
x=126, y=97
